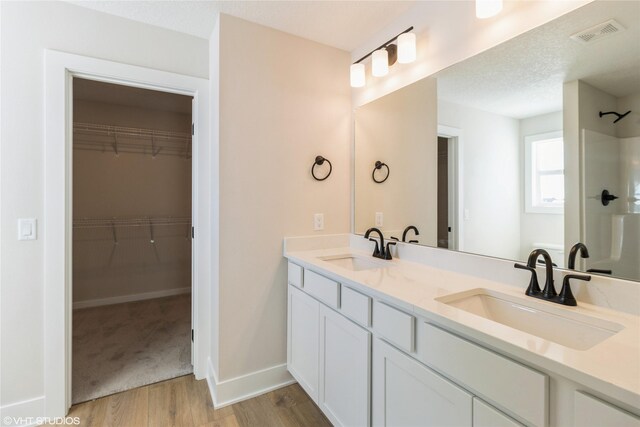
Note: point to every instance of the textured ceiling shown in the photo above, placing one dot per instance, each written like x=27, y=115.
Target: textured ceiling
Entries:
x=341, y=24
x=524, y=76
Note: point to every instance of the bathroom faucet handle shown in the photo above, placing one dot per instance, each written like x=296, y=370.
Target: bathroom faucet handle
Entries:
x=566, y=296
x=387, y=254
x=533, y=288
x=395, y=238
x=376, y=251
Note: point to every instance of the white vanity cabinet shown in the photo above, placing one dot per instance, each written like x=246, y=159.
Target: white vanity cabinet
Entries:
x=592, y=412
x=367, y=359
x=303, y=345
x=345, y=350
x=407, y=393
x=328, y=354
x=485, y=415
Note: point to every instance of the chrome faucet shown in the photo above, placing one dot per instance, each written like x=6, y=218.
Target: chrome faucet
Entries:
x=381, y=251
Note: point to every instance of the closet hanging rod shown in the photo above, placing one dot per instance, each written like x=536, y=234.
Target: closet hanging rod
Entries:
x=130, y=222
x=110, y=130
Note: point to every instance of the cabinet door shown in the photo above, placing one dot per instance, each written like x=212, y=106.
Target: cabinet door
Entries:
x=407, y=393
x=485, y=415
x=592, y=412
x=344, y=370
x=303, y=336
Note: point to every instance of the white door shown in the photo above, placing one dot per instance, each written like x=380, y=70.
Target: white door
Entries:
x=303, y=316
x=407, y=393
x=344, y=370
x=193, y=209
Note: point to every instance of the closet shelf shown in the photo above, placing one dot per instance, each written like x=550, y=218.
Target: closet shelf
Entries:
x=130, y=222
x=96, y=137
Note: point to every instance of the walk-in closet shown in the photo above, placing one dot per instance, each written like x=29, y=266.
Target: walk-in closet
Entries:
x=132, y=309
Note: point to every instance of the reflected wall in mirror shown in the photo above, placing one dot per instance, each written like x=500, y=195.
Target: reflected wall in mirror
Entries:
x=399, y=130
x=520, y=155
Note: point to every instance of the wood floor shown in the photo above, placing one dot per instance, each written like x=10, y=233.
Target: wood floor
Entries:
x=186, y=402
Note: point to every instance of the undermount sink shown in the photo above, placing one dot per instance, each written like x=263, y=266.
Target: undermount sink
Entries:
x=570, y=329
x=352, y=262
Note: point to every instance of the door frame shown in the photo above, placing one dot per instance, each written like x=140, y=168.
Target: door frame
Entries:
x=456, y=193
x=60, y=68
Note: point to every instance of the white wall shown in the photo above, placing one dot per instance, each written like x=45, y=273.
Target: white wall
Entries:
x=282, y=101
x=537, y=227
x=491, y=179
x=630, y=125
x=581, y=104
x=448, y=32
x=400, y=130
x=26, y=29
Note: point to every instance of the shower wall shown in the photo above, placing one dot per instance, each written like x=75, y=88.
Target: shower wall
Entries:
x=612, y=233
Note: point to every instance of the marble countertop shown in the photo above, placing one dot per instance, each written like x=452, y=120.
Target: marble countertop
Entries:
x=611, y=367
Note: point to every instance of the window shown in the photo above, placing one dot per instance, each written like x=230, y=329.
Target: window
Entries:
x=544, y=173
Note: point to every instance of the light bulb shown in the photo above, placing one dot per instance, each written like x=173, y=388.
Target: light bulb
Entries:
x=357, y=75
x=406, y=48
x=380, y=63
x=488, y=8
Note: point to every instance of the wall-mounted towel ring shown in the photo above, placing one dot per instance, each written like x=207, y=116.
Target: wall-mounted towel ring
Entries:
x=319, y=162
x=379, y=166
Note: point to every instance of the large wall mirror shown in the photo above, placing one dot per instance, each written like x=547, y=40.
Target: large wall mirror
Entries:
x=508, y=150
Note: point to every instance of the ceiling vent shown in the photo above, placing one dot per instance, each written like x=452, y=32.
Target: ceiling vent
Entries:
x=598, y=32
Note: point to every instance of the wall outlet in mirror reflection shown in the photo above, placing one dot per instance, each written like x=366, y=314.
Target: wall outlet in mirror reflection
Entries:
x=379, y=219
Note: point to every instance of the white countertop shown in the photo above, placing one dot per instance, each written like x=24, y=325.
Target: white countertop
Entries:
x=611, y=367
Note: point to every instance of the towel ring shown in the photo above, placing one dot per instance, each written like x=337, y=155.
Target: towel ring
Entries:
x=379, y=166
x=319, y=162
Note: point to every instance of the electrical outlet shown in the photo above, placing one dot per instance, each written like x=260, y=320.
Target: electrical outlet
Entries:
x=318, y=221
x=466, y=215
x=379, y=219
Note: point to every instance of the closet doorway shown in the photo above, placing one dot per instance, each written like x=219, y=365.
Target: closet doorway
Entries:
x=132, y=238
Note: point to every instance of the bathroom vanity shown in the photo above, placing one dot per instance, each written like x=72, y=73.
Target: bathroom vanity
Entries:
x=402, y=343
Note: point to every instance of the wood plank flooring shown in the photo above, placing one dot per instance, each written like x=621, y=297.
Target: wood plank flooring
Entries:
x=186, y=402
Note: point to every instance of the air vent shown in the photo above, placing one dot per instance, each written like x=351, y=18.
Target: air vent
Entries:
x=598, y=32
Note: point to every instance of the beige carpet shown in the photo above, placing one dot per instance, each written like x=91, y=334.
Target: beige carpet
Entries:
x=123, y=346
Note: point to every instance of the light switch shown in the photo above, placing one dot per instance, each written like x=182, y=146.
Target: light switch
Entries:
x=27, y=229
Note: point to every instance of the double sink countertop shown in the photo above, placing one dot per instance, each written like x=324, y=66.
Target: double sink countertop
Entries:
x=611, y=367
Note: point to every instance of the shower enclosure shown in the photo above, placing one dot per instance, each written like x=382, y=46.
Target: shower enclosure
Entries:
x=611, y=219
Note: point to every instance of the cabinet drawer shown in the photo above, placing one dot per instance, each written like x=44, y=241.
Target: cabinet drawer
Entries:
x=485, y=415
x=394, y=325
x=355, y=306
x=592, y=412
x=509, y=385
x=295, y=275
x=326, y=290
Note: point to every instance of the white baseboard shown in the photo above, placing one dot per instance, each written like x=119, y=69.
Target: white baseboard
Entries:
x=128, y=298
x=23, y=413
x=228, y=392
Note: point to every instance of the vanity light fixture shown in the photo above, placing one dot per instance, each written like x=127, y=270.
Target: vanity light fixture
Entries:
x=488, y=8
x=357, y=75
x=380, y=63
x=403, y=51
